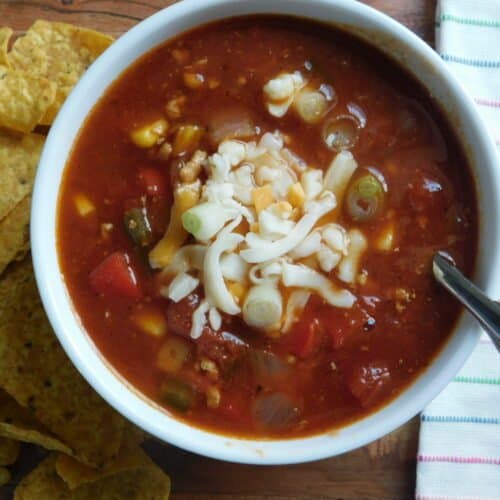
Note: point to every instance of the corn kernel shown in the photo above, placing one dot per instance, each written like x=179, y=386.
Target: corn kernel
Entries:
x=148, y=135
x=150, y=321
x=193, y=81
x=262, y=197
x=187, y=139
x=160, y=127
x=83, y=205
x=296, y=195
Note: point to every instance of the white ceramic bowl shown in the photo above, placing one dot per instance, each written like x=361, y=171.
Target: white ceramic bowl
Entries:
x=377, y=29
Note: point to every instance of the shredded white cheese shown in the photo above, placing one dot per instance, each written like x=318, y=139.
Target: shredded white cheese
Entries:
x=309, y=246
x=280, y=92
x=214, y=318
x=199, y=320
x=296, y=302
x=277, y=248
x=181, y=286
x=304, y=277
x=349, y=266
x=271, y=246
x=215, y=288
x=234, y=268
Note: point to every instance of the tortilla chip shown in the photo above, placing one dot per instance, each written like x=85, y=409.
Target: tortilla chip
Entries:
x=4, y=476
x=14, y=234
x=145, y=481
x=9, y=451
x=18, y=423
x=5, y=34
x=36, y=372
x=42, y=482
x=24, y=99
x=75, y=473
x=18, y=162
x=59, y=52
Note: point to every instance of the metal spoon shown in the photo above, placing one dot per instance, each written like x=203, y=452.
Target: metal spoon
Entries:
x=485, y=310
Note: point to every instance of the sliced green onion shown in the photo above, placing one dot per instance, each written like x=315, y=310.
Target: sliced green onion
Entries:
x=205, y=220
x=177, y=394
x=263, y=306
x=311, y=105
x=341, y=132
x=138, y=227
x=365, y=198
x=368, y=186
x=173, y=354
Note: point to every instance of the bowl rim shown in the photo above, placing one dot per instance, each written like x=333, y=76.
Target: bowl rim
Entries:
x=91, y=363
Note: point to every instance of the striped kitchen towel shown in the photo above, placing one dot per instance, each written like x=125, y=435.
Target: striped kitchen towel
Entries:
x=459, y=448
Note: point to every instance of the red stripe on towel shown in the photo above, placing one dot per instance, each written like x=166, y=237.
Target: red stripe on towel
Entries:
x=487, y=102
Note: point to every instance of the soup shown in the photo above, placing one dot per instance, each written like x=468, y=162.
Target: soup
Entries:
x=247, y=223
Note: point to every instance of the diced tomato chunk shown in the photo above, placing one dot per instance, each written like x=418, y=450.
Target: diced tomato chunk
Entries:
x=153, y=181
x=369, y=383
x=179, y=315
x=115, y=276
x=305, y=338
x=346, y=323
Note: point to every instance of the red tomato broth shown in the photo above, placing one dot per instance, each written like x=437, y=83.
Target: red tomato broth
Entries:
x=387, y=334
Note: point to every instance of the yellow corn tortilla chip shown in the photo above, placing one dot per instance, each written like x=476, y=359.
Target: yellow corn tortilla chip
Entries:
x=75, y=473
x=59, y=52
x=24, y=99
x=36, y=372
x=14, y=234
x=18, y=162
x=9, y=451
x=5, y=34
x=4, y=476
x=145, y=481
x=19, y=424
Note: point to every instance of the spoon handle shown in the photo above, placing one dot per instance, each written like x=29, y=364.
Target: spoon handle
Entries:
x=485, y=310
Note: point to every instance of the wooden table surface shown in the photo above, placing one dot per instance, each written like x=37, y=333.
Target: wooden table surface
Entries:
x=384, y=470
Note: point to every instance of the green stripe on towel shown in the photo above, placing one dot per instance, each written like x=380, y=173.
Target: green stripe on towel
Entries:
x=476, y=380
x=485, y=23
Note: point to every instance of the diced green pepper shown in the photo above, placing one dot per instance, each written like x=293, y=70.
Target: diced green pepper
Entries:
x=138, y=227
x=177, y=394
